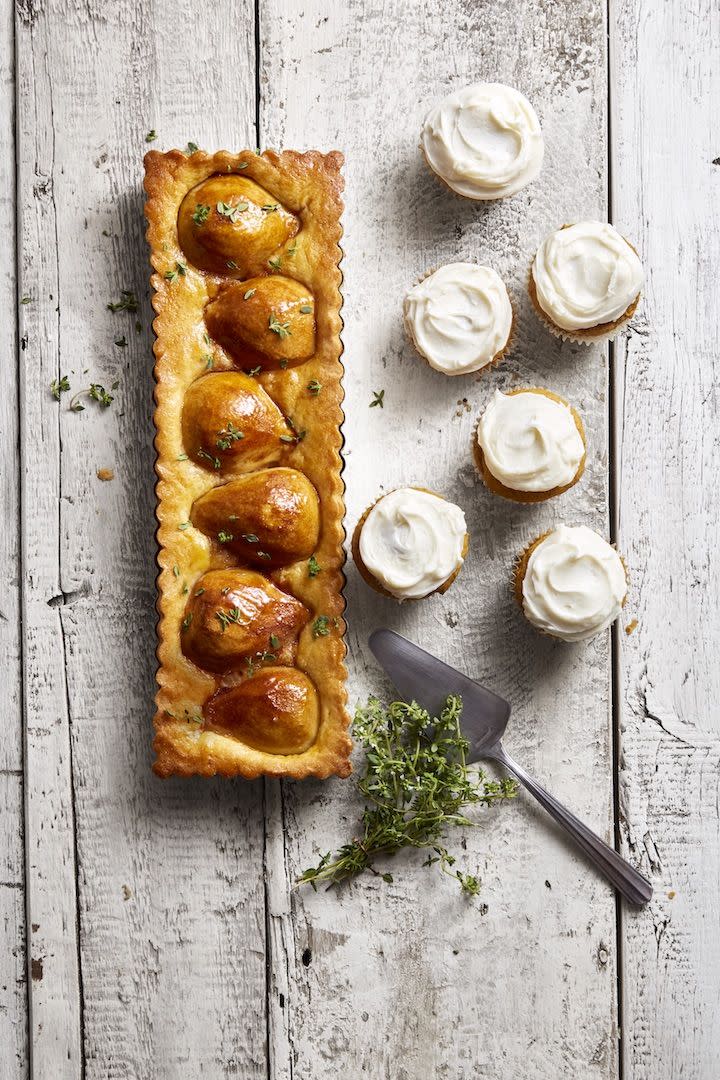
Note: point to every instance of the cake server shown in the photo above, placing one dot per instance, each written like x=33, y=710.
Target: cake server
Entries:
x=423, y=678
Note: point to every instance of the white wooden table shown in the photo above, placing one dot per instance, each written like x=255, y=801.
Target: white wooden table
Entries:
x=151, y=930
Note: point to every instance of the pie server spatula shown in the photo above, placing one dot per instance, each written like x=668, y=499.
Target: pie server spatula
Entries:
x=420, y=677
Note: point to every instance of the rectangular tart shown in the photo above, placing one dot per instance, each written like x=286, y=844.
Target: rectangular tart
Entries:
x=245, y=252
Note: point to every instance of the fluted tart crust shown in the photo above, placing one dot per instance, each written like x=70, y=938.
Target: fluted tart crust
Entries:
x=245, y=252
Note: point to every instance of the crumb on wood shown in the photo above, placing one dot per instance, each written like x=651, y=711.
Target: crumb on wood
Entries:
x=127, y=892
x=631, y=626
x=671, y=894
x=105, y=474
x=36, y=969
x=463, y=405
x=307, y=957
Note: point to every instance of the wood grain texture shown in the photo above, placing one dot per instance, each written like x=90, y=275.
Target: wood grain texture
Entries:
x=666, y=192
x=170, y=905
x=13, y=961
x=408, y=980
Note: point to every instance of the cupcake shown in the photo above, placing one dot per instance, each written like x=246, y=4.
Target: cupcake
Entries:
x=585, y=281
x=459, y=318
x=410, y=543
x=529, y=445
x=571, y=583
x=483, y=141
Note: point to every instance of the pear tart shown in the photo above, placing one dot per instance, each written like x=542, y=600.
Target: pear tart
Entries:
x=245, y=252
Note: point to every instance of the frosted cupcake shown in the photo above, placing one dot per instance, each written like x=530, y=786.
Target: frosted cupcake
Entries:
x=571, y=583
x=529, y=445
x=459, y=318
x=410, y=543
x=585, y=281
x=483, y=141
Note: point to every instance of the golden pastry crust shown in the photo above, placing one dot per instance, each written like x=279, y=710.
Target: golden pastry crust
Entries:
x=307, y=188
x=498, y=488
x=370, y=578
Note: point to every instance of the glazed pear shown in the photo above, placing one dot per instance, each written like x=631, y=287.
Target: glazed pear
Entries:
x=275, y=711
x=231, y=226
x=238, y=615
x=269, y=518
x=266, y=321
x=230, y=424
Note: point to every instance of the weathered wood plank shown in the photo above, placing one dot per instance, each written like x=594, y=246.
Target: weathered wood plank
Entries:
x=666, y=85
x=13, y=965
x=171, y=898
x=407, y=980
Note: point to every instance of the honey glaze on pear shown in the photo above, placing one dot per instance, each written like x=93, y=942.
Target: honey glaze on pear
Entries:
x=268, y=518
x=230, y=225
x=266, y=321
x=275, y=711
x=230, y=424
x=238, y=615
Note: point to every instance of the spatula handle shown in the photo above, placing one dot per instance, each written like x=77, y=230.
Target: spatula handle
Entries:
x=626, y=879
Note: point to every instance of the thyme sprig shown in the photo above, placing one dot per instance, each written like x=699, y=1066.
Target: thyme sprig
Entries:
x=416, y=785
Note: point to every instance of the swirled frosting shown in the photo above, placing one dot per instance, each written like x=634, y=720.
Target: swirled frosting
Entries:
x=574, y=584
x=530, y=442
x=412, y=542
x=484, y=141
x=459, y=317
x=586, y=274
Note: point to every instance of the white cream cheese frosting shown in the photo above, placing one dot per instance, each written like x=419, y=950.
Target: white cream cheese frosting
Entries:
x=484, y=141
x=574, y=584
x=412, y=542
x=586, y=274
x=459, y=317
x=530, y=442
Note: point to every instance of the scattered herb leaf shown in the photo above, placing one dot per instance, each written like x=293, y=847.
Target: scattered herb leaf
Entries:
x=314, y=387
x=378, y=399
x=314, y=567
x=127, y=302
x=59, y=386
x=321, y=626
x=200, y=214
x=151, y=135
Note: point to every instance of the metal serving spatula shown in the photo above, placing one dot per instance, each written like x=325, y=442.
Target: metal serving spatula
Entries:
x=420, y=677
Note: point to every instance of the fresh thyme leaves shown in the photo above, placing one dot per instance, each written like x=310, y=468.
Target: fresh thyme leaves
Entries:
x=251, y=538
x=321, y=626
x=26, y=300
x=378, y=399
x=200, y=214
x=263, y=555
x=281, y=329
x=249, y=293
x=275, y=262
x=229, y=435
x=187, y=621
x=59, y=386
x=209, y=360
x=176, y=571
x=151, y=135
x=314, y=567
x=232, y=213
x=180, y=270
x=306, y=309
x=224, y=537
x=96, y=392
x=225, y=618
x=416, y=785
x=191, y=148
x=274, y=641
x=269, y=208
x=214, y=461
x=121, y=342
x=314, y=387
x=253, y=370
x=184, y=525
x=127, y=302
x=292, y=249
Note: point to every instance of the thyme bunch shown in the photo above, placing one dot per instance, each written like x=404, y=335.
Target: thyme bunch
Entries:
x=416, y=785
